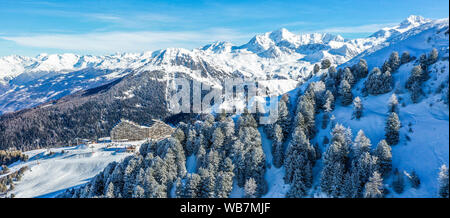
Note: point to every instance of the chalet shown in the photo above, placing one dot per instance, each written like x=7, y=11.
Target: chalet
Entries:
x=127, y=130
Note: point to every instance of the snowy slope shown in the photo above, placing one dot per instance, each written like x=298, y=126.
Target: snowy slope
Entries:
x=427, y=148
x=26, y=82
x=426, y=123
x=50, y=174
x=417, y=40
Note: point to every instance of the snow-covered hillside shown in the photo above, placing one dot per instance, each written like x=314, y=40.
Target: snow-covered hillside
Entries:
x=26, y=81
x=424, y=135
x=51, y=171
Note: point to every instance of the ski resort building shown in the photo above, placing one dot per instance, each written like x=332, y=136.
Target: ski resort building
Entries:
x=127, y=130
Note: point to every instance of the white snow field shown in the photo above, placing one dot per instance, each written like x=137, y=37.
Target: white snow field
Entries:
x=54, y=170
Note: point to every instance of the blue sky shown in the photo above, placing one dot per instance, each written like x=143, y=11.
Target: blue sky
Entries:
x=105, y=27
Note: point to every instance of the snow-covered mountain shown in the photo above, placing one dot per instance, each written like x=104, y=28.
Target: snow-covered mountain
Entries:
x=422, y=36
x=423, y=133
x=26, y=81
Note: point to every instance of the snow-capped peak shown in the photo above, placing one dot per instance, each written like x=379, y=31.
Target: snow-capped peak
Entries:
x=413, y=21
x=282, y=34
x=218, y=47
x=409, y=23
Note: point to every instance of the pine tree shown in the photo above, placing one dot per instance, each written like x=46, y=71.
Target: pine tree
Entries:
x=386, y=67
x=394, y=61
x=443, y=182
x=330, y=80
x=298, y=188
x=393, y=104
x=405, y=58
x=191, y=186
x=300, y=153
x=383, y=152
x=109, y=192
x=316, y=68
x=361, y=69
x=362, y=168
x=414, y=83
x=138, y=192
x=306, y=108
x=392, y=129
x=416, y=92
x=218, y=139
x=328, y=105
x=374, y=188
x=277, y=147
x=327, y=108
x=379, y=82
x=248, y=154
x=423, y=61
x=348, y=76
x=224, y=184
x=361, y=145
x=363, y=164
x=433, y=56
x=250, y=188
x=284, y=117
x=325, y=64
x=346, y=93
x=179, y=135
x=190, y=142
x=335, y=160
x=357, y=108
x=207, y=183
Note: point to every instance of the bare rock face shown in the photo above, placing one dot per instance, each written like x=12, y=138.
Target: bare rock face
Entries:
x=128, y=130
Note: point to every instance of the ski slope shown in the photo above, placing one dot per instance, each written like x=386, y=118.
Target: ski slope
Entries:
x=51, y=171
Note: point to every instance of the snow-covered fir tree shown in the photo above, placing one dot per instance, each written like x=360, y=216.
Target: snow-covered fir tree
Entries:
x=443, y=182
x=392, y=128
x=325, y=64
x=335, y=161
x=374, y=188
x=414, y=83
x=300, y=158
x=394, y=62
x=361, y=69
x=277, y=147
x=250, y=188
x=357, y=107
x=348, y=76
x=384, y=155
x=405, y=58
x=379, y=82
x=345, y=91
x=393, y=104
x=249, y=155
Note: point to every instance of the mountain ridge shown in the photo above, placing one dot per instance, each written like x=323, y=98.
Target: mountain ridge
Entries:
x=26, y=82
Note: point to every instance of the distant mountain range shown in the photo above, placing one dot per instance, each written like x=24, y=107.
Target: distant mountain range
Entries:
x=26, y=82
